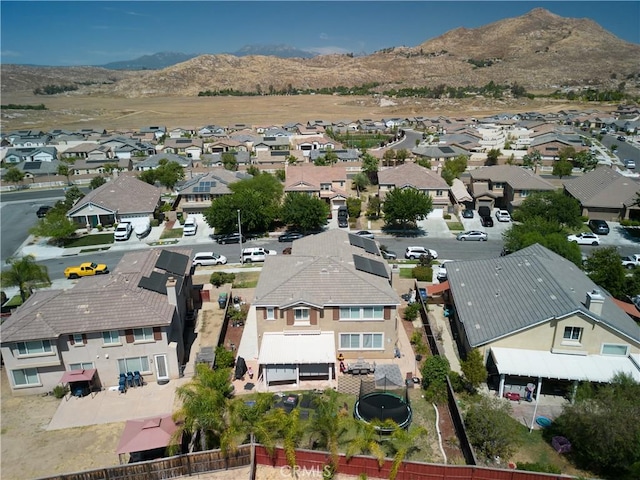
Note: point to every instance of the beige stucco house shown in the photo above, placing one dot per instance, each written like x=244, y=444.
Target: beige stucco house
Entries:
x=132, y=319
x=412, y=175
x=326, y=182
x=331, y=295
x=537, y=318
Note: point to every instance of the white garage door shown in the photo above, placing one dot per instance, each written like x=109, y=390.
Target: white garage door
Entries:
x=436, y=213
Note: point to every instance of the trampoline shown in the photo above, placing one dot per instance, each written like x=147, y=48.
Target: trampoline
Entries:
x=383, y=405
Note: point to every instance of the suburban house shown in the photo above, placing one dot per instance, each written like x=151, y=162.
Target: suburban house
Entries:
x=242, y=157
x=226, y=145
x=129, y=320
x=35, y=154
x=153, y=161
x=439, y=153
x=605, y=194
x=39, y=169
x=127, y=147
x=157, y=131
x=536, y=316
x=505, y=186
x=124, y=198
x=196, y=194
x=549, y=145
x=188, y=147
x=89, y=151
x=332, y=294
x=306, y=144
x=412, y=175
x=272, y=143
x=101, y=165
x=343, y=154
x=327, y=182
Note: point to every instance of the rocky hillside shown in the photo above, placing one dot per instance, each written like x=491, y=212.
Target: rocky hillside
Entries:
x=539, y=50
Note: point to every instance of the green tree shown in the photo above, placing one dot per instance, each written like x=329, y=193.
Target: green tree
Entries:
x=360, y=182
x=370, y=166
x=65, y=170
x=389, y=157
x=354, y=207
x=96, y=182
x=292, y=159
x=304, y=212
x=562, y=168
x=366, y=440
x=329, y=424
x=532, y=159
x=402, y=155
x=329, y=158
x=603, y=428
x=55, y=225
x=424, y=162
x=453, y=168
x=281, y=174
x=229, y=161
x=14, y=175
x=253, y=170
x=473, y=368
x=434, y=371
x=554, y=206
x=492, y=156
x=603, y=266
x=23, y=273
x=406, y=205
x=287, y=427
x=373, y=207
x=491, y=429
x=166, y=173
x=586, y=160
x=402, y=445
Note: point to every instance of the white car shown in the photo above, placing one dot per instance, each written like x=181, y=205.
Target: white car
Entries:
x=123, y=231
x=503, y=216
x=414, y=253
x=208, y=258
x=190, y=226
x=585, y=238
x=441, y=274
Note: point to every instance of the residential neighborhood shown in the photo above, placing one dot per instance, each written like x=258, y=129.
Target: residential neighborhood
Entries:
x=346, y=309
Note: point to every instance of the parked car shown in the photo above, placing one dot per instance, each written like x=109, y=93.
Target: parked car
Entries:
x=86, y=269
x=503, y=216
x=484, y=211
x=441, y=274
x=230, y=238
x=468, y=213
x=599, y=226
x=43, y=210
x=472, y=235
x=585, y=238
x=142, y=229
x=190, y=226
x=365, y=234
x=621, y=138
x=631, y=261
x=630, y=164
x=123, y=231
x=255, y=254
x=486, y=221
x=388, y=255
x=290, y=236
x=414, y=253
x=343, y=222
x=208, y=258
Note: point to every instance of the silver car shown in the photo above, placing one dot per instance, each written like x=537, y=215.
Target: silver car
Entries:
x=472, y=235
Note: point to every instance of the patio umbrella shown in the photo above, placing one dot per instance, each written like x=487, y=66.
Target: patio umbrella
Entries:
x=146, y=434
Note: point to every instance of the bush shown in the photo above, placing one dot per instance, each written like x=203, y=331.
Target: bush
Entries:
x=155, y=222
x=220, y=278
x=100, y=227
x=539, y=467
x=224, y=358
x=457, y=382
x=60, y=391
x=422, y=274
x=411, y=313
x=416, y=338
x=447, y=216
x=491, y=429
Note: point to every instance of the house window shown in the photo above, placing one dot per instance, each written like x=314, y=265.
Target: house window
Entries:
x=301, y=316
x=572, y=334
x=134, y=364
x=361, y=313
x=78, y=341
x=498, y=185
x=34, y=347
x=325, y=186
x=612, y=349
x=111, y=337
x=439, y=193
x=524, y=193
x=361, y=341
x=81, y=366
x=271, y=313
x=25, y=376
x=143, y=334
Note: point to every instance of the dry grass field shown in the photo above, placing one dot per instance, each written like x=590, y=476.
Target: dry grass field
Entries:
x=75, y=112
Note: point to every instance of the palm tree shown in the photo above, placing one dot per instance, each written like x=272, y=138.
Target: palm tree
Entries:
x=360, y=181
x=402, y=444
x=329, y=423
x=367, y=440
x=204, y=407
x=287, y=427
x=22, y=273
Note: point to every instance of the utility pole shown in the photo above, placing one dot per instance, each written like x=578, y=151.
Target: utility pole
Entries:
x=240, y=232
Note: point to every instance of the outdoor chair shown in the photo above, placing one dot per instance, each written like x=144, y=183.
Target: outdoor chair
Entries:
x=129, y=379
x=122, y=385
x=137, y=379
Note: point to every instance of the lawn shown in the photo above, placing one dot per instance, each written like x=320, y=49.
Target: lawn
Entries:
x=89, y=240
x=455, y=226
x=246, y=280
x=171, y=233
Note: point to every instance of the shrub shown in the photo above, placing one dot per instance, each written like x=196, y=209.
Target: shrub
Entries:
x=447, y=216
x=100, y=227
x=411, y=313
x=422, y=274
x=155, y=222
x=60, y=391
x=224, y=358
x=539, y=467
x=416, y=338
x=220, y=278
x=457, y=382
x=491, y=429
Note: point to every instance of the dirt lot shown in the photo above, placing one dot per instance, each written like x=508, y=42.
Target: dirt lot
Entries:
x=74, y=112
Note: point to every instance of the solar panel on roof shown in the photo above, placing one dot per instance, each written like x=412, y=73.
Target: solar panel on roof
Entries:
x=370, y=246
x=446, y=149
x=367, y=265
x=172, y=262
x=156, y=282
x=32, y=165
x=279, y=153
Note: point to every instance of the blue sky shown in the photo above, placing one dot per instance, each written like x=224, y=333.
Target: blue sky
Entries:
x=94, y=33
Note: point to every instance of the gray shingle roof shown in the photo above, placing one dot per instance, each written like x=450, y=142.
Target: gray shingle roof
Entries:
x=320, y=271
x=106, y=302
x=518, y=177
x=498, y=297
x=603, y=187
x=413, y=175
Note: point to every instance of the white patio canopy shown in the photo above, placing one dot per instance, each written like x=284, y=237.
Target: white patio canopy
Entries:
x=544, y=364
x=290, y=356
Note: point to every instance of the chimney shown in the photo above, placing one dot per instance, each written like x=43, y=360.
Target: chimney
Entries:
x=595, y=300
x=172, y=297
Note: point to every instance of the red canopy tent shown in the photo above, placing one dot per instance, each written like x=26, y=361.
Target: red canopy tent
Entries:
x=75, y=376
x=146, y=434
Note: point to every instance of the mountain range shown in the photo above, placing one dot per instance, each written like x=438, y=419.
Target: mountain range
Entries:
x=540, y=51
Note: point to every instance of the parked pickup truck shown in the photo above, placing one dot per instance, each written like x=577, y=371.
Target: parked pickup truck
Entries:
x=85, y=270
x=631, y=261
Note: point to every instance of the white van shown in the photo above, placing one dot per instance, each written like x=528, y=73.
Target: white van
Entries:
x=255, y=254
x=190, y=226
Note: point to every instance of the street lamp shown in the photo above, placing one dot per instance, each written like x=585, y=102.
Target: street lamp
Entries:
x=240, y=239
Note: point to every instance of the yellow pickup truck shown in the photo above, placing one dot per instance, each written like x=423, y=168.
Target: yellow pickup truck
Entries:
x=85, y=270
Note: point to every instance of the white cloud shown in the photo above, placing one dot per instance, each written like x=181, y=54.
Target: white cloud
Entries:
x=10, y=53
x=324, y=36
x=327, y=50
